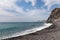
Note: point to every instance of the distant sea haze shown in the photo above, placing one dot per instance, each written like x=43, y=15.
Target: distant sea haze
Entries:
x=12, y=29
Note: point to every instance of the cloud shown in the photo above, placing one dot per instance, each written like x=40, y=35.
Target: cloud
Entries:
x=31, y=15
x=50, y=3
x=6, y=4
x=37, y=14
x=9, y=5
x=4, y=13
x=32, y=1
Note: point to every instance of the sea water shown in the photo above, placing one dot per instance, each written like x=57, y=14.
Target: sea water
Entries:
x=14, y=29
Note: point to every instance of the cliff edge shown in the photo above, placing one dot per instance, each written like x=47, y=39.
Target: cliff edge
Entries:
x=55, y=14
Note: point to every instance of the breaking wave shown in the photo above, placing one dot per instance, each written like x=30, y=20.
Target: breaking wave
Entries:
x=28, y=31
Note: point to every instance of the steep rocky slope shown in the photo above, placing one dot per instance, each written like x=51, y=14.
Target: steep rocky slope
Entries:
x=55, y=14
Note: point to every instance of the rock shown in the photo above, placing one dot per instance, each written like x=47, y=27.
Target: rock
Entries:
x=55, y=14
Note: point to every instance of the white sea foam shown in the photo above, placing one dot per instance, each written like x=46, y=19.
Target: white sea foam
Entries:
x=28, y=31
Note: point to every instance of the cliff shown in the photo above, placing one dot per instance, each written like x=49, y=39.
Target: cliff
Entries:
x=55, y=14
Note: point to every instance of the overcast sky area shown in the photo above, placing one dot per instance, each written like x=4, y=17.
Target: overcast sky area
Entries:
x=26, y=10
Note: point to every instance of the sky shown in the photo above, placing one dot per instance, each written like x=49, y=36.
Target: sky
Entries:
x=26, y=10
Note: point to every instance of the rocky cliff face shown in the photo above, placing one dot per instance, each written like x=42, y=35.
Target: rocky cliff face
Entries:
x=55, y=14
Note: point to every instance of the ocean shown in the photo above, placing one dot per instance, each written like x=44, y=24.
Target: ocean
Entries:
x=14, y=29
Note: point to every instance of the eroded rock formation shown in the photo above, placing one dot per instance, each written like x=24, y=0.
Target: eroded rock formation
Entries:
x=55, y=14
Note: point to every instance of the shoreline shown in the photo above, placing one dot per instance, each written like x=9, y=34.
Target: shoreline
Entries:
x=45, y=34
x=30, y=31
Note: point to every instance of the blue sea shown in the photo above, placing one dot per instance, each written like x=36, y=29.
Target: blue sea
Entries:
x=14, y=29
